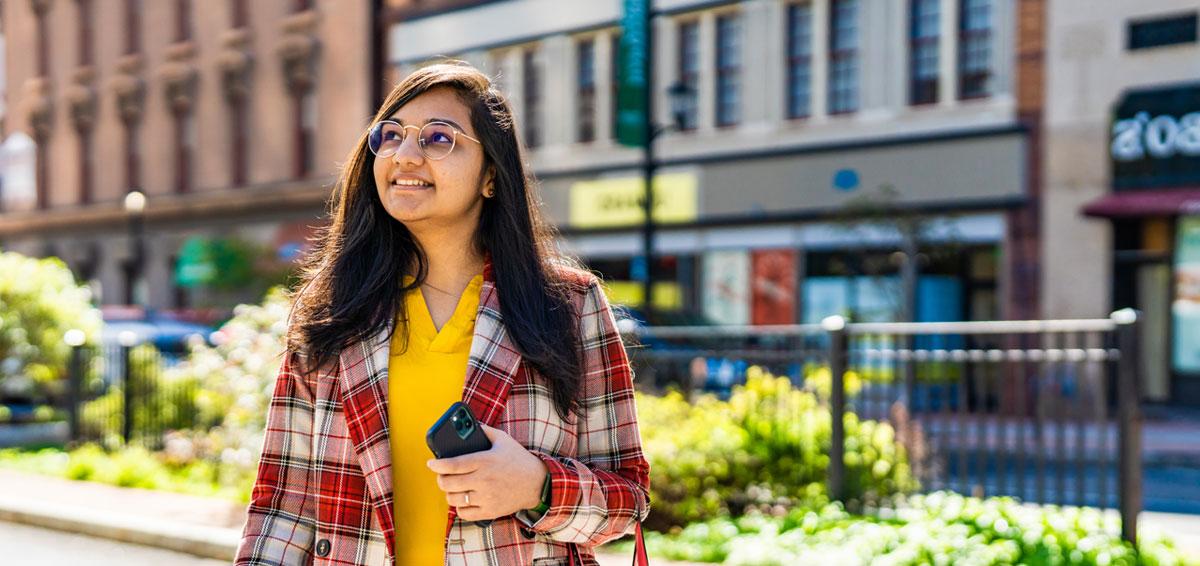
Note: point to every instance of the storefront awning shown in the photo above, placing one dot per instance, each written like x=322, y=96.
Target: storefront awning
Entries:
x=1134, y=204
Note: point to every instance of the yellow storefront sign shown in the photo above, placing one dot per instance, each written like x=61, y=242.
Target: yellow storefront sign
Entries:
x=667, y=295
x=604, y=203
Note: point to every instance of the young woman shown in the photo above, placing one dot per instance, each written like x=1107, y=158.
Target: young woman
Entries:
x=438, y=282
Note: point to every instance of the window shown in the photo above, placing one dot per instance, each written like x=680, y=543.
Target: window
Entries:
x=183, y=20
x=586, y=90
x=689, y=66
x=185, y=144
x=85, y=166
x=532, y=98
x=799, y=64
x=923, y=52
x=974, y=48
x=133, y=26
x=1160, y=32
x=133, y=157
x=306, y=126
x=239, y=17
x=85, y=32
x=729, y=55
x=614, y=69
x=238, y=128
x=843, y=56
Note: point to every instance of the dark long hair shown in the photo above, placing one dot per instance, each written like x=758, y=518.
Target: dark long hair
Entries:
x=351, y=283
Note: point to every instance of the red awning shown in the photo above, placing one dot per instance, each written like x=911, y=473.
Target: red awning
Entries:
x=1146, y=203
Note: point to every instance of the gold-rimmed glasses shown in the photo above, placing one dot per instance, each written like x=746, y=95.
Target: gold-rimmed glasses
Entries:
x=435, y=139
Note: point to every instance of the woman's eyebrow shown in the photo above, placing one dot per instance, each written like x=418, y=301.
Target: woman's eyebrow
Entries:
x=446, y=120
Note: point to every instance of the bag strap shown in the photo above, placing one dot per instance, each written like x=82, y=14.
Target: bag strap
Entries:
x=640, y=557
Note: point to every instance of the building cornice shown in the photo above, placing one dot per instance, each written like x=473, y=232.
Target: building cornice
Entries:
x=168, y=208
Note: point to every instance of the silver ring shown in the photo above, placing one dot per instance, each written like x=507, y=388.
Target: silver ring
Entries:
x=467, y=497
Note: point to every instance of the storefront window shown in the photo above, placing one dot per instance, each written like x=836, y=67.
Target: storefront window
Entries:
x=1186, y=307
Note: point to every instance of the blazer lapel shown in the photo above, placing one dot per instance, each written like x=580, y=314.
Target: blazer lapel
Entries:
x=493, y=361
x=364, y=384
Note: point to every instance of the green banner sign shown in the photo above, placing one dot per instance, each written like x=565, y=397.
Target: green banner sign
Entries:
x=195, y=267
x=631, y=93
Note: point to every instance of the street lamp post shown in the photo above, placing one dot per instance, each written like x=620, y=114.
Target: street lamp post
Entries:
x=135, y=206
x=682, y=99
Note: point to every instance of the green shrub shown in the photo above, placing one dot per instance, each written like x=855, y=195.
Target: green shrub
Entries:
x=163, y=401
x=939, y=529
x=766, y=449
x=39, y=302
x=134, y=467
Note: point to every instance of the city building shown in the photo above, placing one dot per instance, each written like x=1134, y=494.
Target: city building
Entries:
x=826, y=138
x=1122, y=177
x=229, y=117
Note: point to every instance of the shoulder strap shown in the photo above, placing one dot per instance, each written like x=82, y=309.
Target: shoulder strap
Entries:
x=640, y=557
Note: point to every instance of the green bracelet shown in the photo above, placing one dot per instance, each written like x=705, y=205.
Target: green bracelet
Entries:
x=545, y=504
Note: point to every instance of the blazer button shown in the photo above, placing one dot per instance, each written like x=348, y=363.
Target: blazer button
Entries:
x=323, y=548
x=527, y=533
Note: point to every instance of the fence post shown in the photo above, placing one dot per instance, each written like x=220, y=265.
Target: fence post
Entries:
x=836, y=327
x=74, y=339
x=127, y=394
x=1129, y=435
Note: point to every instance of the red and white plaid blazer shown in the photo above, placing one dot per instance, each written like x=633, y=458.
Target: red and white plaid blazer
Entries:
x=324, y=489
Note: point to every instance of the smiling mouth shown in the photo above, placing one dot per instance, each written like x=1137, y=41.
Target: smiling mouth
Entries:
x=409, y=184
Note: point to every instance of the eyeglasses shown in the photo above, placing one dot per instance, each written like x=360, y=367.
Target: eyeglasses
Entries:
x=436, y=139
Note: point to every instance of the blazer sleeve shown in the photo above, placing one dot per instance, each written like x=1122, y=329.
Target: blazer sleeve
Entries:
x=601, y=494
x=280, y=523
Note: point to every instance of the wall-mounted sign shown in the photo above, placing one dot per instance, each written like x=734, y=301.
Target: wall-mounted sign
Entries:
x=1156, y=138
x=618, y=202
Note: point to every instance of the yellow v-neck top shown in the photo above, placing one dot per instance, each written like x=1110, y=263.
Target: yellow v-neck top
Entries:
x=424, y=379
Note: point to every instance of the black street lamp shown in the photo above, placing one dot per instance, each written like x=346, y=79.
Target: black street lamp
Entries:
x=135, y=206
x=683, y=101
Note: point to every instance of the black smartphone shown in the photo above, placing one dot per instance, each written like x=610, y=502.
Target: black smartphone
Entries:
x=456, y=433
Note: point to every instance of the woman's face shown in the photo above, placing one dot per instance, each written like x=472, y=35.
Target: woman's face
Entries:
x=429, y=194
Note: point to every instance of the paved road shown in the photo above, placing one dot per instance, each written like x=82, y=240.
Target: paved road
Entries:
x=32, y=545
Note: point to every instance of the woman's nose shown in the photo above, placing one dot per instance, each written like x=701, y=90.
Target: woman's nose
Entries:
x=409, y=152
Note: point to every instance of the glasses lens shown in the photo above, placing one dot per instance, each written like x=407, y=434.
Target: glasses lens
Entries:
x=437, y=139
x=385, y=138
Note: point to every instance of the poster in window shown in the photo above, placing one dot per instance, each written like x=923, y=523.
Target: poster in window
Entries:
x=1186, y=307
x=773, y=286
x=727, y=287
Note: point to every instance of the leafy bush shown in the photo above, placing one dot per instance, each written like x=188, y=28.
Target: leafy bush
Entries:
x=237, y=377
x=132, y=467
x=766, y=449
x=39, y=302
x=163, y=402
x=939, y=528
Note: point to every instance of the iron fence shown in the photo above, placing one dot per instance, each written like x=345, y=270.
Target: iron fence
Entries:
x=121, y=395
x=1047, y=411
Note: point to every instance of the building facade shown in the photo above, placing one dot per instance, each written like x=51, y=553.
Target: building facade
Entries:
x=1122, y=172
x=827, y=138
x=231, y=117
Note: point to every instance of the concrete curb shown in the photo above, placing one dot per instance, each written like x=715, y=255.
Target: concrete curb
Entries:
x=198, y=540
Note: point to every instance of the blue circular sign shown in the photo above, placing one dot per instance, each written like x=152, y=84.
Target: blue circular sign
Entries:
x=845, y=180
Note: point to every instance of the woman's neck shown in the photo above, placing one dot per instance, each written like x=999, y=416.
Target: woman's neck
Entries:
x=453, y=259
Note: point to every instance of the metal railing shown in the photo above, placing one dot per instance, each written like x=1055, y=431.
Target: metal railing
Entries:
x=118, y=394
x=1047, y=411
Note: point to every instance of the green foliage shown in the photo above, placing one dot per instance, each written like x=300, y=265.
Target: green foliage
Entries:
x=939, y=529
x=39, y=302
x=132, y=467
x=766, y=449
x=238, y=375
x=163, y=401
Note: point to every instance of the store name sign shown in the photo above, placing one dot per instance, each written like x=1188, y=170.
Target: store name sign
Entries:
x=1155, y=141
x=1160, y=137
x=620, y=201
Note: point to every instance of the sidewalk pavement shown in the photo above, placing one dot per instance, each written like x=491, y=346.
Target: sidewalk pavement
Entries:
x=200, y=526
